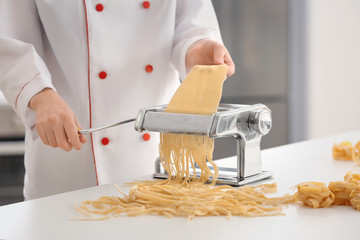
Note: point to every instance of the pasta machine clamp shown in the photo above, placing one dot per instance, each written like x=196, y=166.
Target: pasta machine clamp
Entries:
x=246, y=123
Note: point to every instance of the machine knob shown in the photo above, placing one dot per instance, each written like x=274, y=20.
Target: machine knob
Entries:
x=260, y=121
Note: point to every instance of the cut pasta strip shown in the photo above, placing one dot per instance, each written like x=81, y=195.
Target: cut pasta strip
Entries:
x=342, y=191
x=352, y=178
x=315, y=194
x=355, y=199
x=346, y=151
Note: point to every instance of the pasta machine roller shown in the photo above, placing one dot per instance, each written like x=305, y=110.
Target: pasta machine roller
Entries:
x=246, y=123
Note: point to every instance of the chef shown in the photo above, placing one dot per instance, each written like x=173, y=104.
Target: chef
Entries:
x=73, y=64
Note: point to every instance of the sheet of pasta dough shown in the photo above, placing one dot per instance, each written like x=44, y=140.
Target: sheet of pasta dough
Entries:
x=200, y=92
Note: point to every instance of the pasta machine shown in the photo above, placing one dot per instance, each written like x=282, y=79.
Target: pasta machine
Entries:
x=246, y=123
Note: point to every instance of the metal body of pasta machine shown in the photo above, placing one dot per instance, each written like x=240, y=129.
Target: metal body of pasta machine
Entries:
x=246, y=123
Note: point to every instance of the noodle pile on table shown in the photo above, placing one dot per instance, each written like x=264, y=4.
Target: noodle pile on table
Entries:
x=315, y=194
x=188, y=201
x=347, y=192
x=346, y=151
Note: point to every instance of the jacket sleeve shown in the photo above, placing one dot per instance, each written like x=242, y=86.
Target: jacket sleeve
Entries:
x=195, y=20
x=23, y=73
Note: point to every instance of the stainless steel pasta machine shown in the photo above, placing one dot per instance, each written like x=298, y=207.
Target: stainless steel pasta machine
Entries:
x=246, y=123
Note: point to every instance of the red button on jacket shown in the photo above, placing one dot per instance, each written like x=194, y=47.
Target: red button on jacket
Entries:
x=146, y=137
x=105, y=141
x=149, y=68
x=146, y=4
x=102, y=75
x=99, y=7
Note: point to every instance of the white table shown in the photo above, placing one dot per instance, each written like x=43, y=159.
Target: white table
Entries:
x=49, y=218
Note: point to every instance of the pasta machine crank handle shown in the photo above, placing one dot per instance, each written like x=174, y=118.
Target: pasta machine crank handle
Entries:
x=90, y=130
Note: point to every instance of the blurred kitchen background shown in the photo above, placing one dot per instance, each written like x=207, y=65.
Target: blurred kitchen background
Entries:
x=299, y=57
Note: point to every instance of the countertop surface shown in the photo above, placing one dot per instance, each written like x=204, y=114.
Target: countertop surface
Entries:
x=51, y=217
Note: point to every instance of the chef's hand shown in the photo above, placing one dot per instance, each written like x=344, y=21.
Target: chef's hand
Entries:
x=56, y=123
x=209, y=52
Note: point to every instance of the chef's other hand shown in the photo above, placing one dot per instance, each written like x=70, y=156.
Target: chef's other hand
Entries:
x=209, y=52
x=56, y=123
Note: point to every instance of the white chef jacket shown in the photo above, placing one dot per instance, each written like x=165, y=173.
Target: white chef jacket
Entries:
x=107, y=59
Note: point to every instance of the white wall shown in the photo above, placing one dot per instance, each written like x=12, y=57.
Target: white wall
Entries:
x=332, y=64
